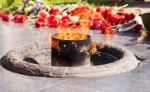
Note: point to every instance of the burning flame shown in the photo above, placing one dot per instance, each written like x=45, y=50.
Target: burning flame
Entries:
x=49, y=39
x=95, y=47
x=71, y=36
x=108, y=38
x=55, y=44
x=74, y=32
x=144, y=35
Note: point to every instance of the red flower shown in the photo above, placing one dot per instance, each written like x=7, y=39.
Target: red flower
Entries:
x=20, y=18
x=79, y=10
x=115, y=19
x=77, y=23
x=42, y=14
x=84, y=7
x=40, y=22
x=72, y=12
x=129, y=16
x=138, y=28
x=53, y=21
x=6, y=17
x=102, y=25
x=102, y=11
x=132, y=16
x=97, y=24
x=106, y=25
x=55, y=11
x=66, y=21
x=109, y=11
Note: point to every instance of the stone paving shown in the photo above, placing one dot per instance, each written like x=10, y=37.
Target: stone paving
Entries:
x=143, y=6
x=15, y=35
x=138, y=80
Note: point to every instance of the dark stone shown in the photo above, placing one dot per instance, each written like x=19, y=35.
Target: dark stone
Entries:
x=30, y=60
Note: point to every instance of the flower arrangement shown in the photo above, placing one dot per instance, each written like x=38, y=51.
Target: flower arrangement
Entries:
x=102, y=18
x=32, y=7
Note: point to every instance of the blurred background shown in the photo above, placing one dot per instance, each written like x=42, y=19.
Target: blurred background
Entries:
x=12, y=5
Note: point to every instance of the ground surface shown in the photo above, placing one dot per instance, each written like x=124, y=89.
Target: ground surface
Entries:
x=15, y=35
x=144, y=6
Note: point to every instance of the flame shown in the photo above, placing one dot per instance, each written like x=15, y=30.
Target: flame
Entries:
x=108, y=38
x=90, y=15
x=49, y=40
x=71, y=36
x=55, y=44
x=74, y=32
x=143, y=36
x=95, y=47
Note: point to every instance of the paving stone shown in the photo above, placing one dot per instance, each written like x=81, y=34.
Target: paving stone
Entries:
x=13, y=36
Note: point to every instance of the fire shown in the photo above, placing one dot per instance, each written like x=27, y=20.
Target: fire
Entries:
x=108, y=38
x=55, y=44
x=71, y=36
x=95, y=47
x=143, y=36
x=74, y=32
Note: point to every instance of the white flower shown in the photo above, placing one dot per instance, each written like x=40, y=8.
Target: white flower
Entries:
x=64, y=14
x=58, y=16
x=30, y=8
x=74, y=18
x=40, y=1
x=31, y=2
x=139, y=20
x=38, y=6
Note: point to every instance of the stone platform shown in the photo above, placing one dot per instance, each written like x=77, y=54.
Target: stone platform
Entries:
x=35, y=60
x=14, y=35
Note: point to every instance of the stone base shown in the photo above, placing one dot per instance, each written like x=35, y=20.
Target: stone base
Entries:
x=35, y=60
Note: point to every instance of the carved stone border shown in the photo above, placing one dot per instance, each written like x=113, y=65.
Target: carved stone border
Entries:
x=13, y=61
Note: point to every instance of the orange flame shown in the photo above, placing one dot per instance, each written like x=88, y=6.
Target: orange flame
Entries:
x=95, y=47
x=71, y=36
x=143, y=36
x=74, y=32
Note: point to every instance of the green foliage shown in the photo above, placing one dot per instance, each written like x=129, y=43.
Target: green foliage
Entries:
x=61, y=1
x=8, y=3
x=10, y=6
x=96, y=3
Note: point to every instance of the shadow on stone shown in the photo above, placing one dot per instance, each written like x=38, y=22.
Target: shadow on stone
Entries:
x=30, y=60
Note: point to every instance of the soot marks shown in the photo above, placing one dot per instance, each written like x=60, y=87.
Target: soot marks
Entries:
x=106, y=55
x=30, y=60
x=102, y=58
